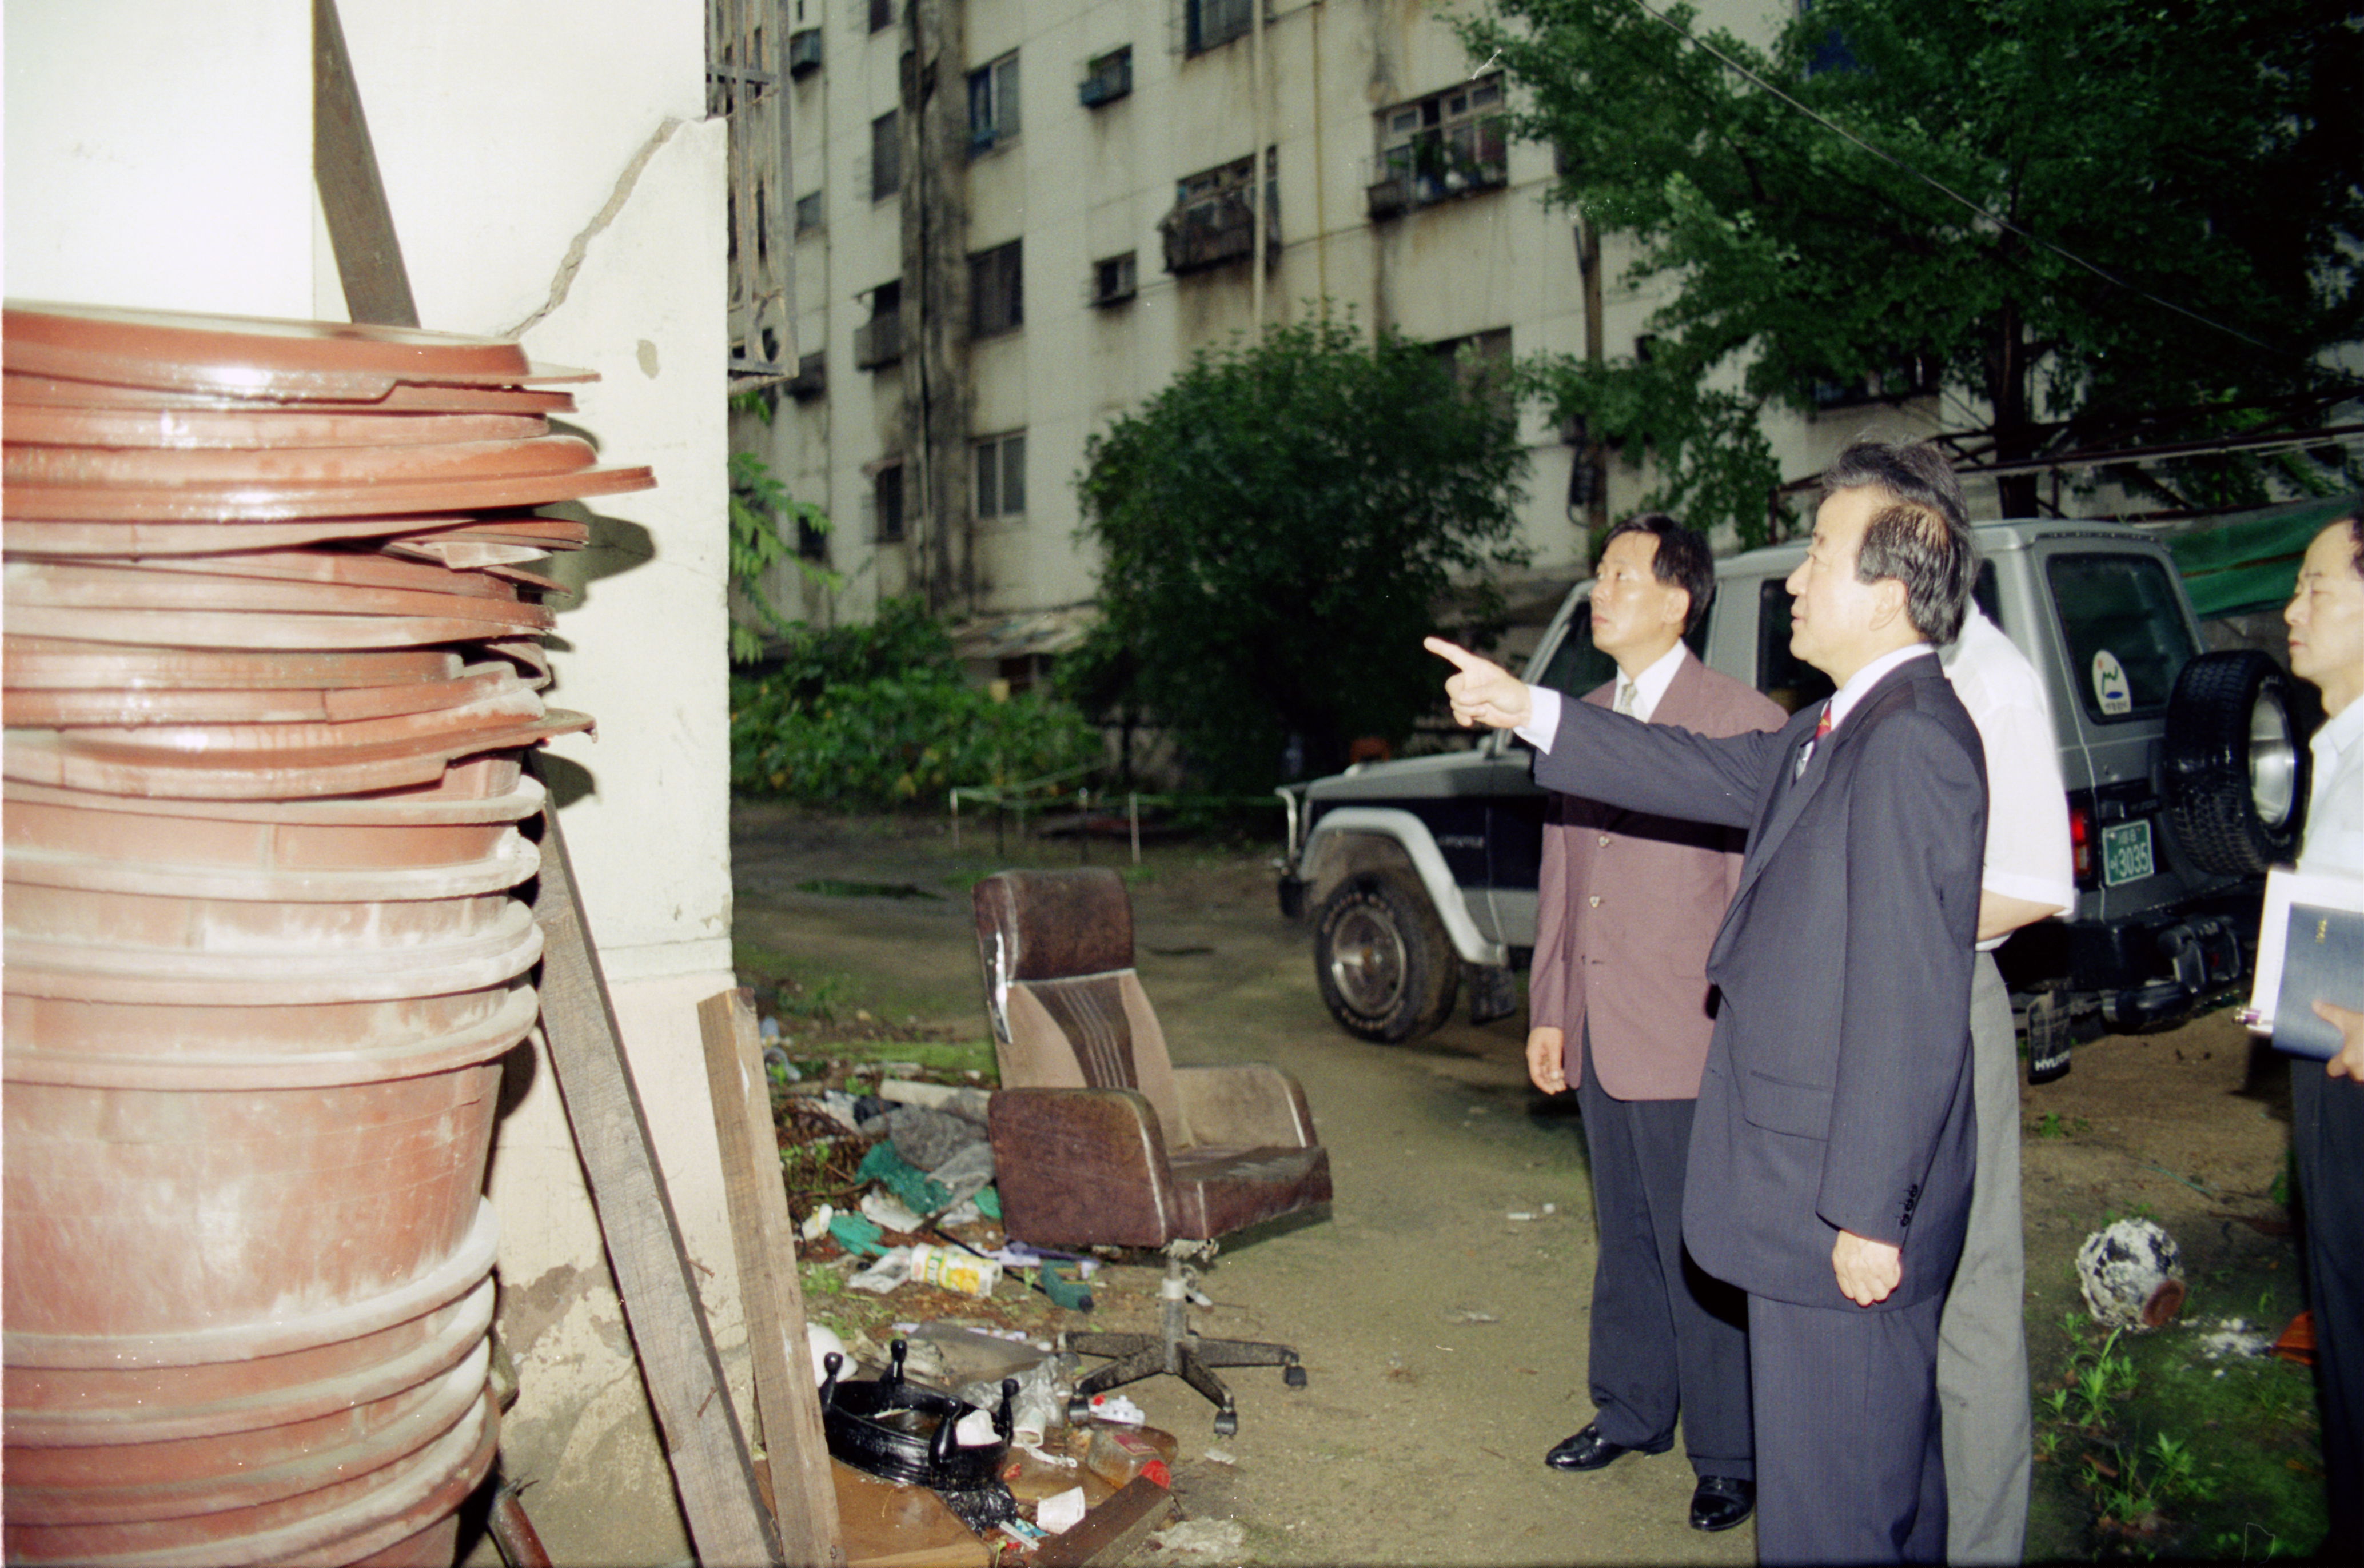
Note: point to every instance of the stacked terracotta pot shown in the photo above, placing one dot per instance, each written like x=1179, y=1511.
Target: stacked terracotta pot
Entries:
x=271, y=663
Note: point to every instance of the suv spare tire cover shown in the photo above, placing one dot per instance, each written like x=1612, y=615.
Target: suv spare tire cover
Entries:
x=2234, y=763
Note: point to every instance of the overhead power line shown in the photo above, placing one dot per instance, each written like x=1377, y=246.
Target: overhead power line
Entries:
x=1737, y=69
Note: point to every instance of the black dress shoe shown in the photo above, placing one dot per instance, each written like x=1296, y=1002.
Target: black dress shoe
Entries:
x=1722, y=1502
x=1589, y=1450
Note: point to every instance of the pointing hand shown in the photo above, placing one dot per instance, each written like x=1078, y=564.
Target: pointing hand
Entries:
x=1482, y=691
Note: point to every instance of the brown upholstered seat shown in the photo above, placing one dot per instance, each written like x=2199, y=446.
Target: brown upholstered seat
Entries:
x=1099, y=1139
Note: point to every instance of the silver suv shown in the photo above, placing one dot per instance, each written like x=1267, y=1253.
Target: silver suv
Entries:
x=2186, y=772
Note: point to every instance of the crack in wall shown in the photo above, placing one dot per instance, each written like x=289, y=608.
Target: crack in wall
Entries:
x=562, y=281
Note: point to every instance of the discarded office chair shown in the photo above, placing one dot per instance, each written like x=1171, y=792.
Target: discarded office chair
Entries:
x=1099, y=1139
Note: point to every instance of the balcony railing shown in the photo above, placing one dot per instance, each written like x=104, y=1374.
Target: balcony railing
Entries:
x=1218, y=228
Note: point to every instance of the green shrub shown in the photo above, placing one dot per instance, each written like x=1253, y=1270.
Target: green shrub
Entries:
x=879, y=715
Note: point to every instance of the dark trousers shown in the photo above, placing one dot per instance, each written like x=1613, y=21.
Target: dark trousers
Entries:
x=1849, y=1465
x=2327, y=1133
x=1667, y=1336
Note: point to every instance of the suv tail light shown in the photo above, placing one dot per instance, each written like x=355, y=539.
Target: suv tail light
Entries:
x=2081, y=841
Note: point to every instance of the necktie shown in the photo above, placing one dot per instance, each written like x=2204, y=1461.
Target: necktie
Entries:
x=1629, y=698
x=1806, y=753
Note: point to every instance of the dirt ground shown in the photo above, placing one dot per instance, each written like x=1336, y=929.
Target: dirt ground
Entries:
x=1441, y=1308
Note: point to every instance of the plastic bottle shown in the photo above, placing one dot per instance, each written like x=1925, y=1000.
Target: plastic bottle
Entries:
x=1117, y=1454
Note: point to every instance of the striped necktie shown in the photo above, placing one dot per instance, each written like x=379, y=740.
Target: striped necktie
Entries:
x=1806, y=753
x=1629, y=696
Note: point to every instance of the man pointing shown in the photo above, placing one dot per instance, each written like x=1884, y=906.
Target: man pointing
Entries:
x=1831, y=1152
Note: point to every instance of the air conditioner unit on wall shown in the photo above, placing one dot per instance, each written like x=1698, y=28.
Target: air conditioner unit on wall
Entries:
x=804, y=51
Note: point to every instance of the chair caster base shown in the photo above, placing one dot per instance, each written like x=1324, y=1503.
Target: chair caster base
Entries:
x=1227, y=1423
x=1294, y=1376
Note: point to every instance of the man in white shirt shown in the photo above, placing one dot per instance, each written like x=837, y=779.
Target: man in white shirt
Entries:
x=2326, y=616
x=2028, y=875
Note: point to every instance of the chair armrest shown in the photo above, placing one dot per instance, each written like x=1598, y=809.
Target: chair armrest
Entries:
x=1252, y=1105
x=1081, y=1167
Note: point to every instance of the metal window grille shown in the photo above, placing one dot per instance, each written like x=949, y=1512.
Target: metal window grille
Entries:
x=992, y=103
x=885, y=157
x=1447, y=144
x=997, y=289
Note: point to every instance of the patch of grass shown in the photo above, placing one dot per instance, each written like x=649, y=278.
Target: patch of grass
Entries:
x=2051, y=1124
x=959, y=1057
x=835, y=888
x=2174, y=1453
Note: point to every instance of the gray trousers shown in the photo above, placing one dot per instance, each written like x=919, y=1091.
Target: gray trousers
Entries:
x=1982, y=1336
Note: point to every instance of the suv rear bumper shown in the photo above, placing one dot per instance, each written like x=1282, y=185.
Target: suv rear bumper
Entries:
x=2141, y=971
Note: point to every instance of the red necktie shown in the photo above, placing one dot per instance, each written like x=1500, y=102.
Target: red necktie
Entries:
x=1822, y=725
x=1806, y=753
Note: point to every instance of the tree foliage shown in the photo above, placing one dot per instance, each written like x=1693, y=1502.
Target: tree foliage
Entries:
x=1278, y=528
x=879, y=715
x=2205, y=154
x=765, y=520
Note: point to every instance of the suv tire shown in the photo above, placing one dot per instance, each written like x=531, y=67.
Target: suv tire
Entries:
x=1386, y=968
x=2235, y=765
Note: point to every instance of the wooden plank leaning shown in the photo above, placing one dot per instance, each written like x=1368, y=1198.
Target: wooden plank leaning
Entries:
x=769, y=1290
x=711, y=1469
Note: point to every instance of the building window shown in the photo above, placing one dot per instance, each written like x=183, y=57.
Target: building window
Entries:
x=1447, y=144
x=1108, y=77
x=1479, y=364
x=992, y=103
x=885, y=157
x=996, y=290
x=879, y=341
x=1114, y=279
x=1213, y=218
x=812, y=538
x=1001, y=477
x=882, y=15
x=809, y=213
x=1208, y=23
x=887, y=502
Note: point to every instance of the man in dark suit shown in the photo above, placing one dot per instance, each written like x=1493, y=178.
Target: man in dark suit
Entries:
x=1831, y=1150
x=1617, y=1003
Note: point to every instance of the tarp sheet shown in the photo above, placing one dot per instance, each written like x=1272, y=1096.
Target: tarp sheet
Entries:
x=2248, y=561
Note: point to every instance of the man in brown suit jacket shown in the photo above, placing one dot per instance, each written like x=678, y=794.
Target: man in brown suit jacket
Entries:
x=1618, y=1004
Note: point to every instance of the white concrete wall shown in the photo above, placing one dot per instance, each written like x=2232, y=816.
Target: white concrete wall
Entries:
x=551, y=176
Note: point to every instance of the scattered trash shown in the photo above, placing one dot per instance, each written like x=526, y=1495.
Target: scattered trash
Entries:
x=906, y=1181
x=1205, y=1541
x=1551, y=1208
x=815, y=1224
x=1060, y=1512
x=769, y=1029
x=822, y=1341
x=2233, y=1337
x=1470, y=1315
x=2297, y=1341
x=926, y=1139
x=892, y=1269
x=1117, y=1408
x=967, y=1172
x=974, y=1430
x=2132, y=1275
x=967, y=1104
x=856, y=1233
x=889, y=1213
x=1518, y=1214
x=1116, y=1456
x=1215, y=1455
x=838, y=1105
x=964, y=1212
x=954, y=1270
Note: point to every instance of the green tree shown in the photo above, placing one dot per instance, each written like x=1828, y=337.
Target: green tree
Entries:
x=765, y=520
x=2204, y=156
x=1278, y=528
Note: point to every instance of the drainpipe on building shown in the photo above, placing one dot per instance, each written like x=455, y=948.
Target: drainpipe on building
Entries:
x=1259, y=172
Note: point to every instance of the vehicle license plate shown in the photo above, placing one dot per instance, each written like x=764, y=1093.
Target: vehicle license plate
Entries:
x=2126, y=852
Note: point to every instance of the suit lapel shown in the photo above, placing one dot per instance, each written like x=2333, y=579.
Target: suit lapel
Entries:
x=1792, y=792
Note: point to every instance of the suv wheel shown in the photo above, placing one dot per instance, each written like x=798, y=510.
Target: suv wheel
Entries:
x=1386, y=968
x=2235, y=765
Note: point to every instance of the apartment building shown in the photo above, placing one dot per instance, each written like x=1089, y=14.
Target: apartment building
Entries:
x=1014, y=222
